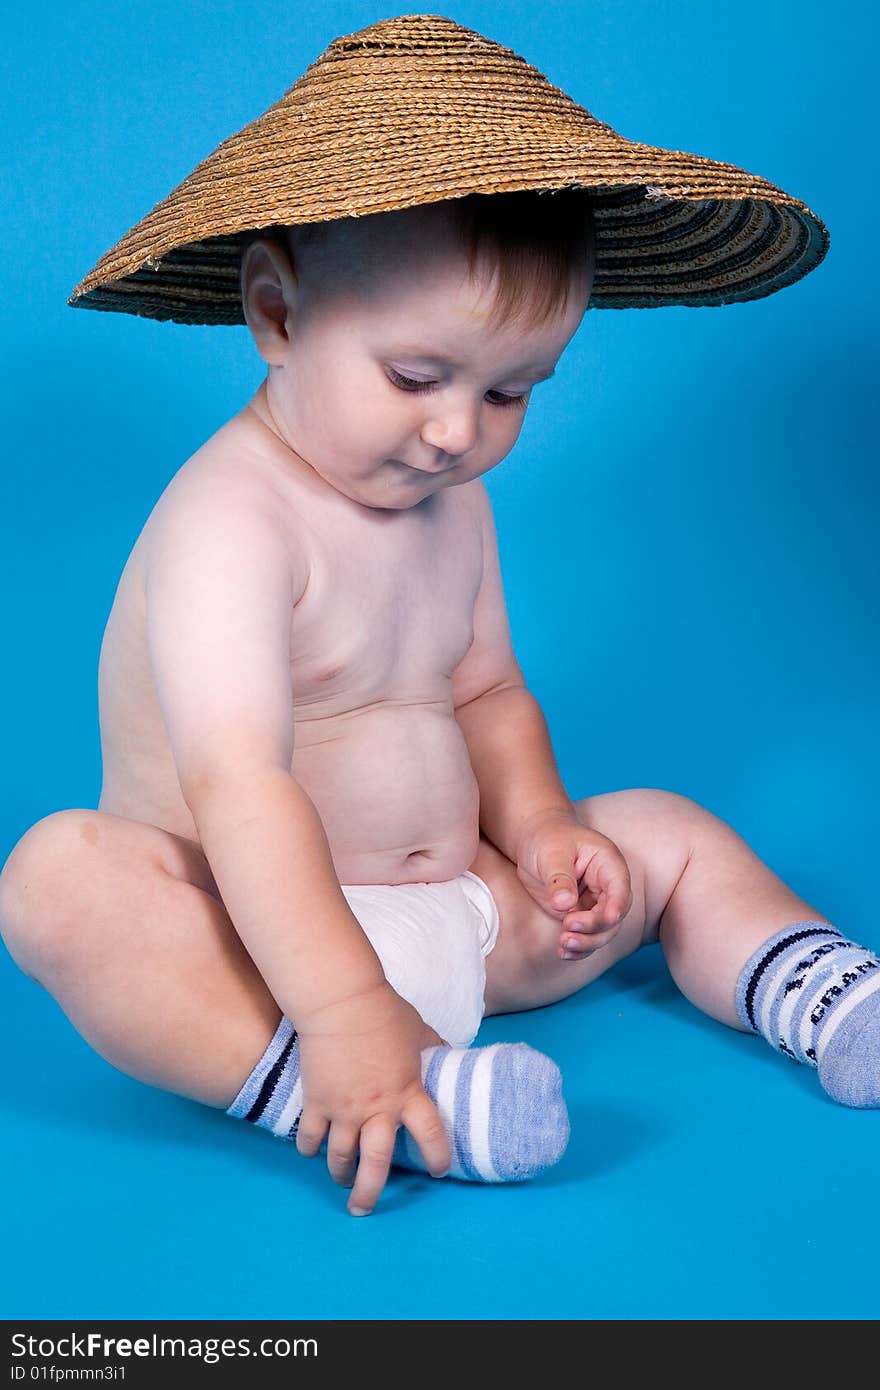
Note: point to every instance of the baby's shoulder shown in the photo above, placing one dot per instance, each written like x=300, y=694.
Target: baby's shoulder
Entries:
x=223, y=499
x=226, y=472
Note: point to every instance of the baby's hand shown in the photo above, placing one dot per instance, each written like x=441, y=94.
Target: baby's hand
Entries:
x=361, y=1071
x=577, y=875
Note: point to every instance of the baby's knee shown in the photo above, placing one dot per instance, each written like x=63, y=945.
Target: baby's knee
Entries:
x=36, y=888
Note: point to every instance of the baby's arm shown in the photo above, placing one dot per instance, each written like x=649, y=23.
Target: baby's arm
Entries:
x=524, y=807
x=222, y=579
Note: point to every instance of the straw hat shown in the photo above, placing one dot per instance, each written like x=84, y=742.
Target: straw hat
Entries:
x=417, y=109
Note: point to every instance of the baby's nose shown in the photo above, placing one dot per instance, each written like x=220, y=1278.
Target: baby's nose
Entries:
x=452, y=437
x=451, y=425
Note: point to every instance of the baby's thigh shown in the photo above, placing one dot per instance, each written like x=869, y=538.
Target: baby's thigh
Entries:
x=653, y=829
x=75, y=870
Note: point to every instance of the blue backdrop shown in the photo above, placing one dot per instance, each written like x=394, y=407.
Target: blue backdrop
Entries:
x=688, y=535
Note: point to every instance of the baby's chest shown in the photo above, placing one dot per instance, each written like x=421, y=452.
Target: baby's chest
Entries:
x=388, y=613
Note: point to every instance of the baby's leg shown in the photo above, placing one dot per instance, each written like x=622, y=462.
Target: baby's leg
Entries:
x=813, y=994
x=739, y=943
x=123, y=924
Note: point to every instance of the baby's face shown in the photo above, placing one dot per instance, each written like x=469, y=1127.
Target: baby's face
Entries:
x=389, y=382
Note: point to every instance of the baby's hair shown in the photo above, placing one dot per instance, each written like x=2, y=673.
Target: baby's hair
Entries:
x=537, y=242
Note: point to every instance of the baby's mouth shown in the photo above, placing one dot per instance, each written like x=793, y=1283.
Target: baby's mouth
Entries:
x=422, y=472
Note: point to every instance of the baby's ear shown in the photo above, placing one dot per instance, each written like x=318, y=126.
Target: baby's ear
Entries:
x=268, y=282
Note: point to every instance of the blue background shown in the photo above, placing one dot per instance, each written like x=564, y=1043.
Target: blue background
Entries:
x=689, y=537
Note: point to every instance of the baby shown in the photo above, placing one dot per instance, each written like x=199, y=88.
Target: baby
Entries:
x=331, y=835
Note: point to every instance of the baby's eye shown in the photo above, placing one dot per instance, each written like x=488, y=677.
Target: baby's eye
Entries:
x=406, y=383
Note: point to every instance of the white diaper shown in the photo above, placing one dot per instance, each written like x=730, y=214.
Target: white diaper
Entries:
x=432, y=940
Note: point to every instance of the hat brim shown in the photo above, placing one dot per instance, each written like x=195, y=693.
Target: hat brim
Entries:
x=651, y=251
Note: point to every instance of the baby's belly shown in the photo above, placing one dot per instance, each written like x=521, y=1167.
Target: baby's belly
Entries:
x=395, y=790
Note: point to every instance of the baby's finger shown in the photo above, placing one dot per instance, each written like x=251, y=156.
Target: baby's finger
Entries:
x=590, y=915
x=342, y=1147
x=618, y=901
x=572, y=949
x=574, y=955
x=609, y=904
x=562, y=888
x=376, y=1146
x=579, y=939
x=422, y=1119
x=578, y=947
x=614, y=888
x=310, y=1132
x=605, y=877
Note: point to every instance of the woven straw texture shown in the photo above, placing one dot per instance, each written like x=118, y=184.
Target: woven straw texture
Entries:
x=417, y=109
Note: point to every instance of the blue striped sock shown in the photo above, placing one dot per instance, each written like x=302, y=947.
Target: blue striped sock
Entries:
x=816, y=997
x=501, y=1106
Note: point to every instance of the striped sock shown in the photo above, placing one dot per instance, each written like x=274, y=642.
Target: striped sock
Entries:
x=816, y=997
x=501, y=1106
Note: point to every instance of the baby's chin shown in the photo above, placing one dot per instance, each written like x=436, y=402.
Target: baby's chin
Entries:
x=392, y=487
x=396, y=498
x=398, y=488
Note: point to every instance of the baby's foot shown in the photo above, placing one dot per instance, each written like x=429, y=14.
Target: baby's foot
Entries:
x=815, y=996
x=501, y=1106
x=849, y=1064
x=502, y=1110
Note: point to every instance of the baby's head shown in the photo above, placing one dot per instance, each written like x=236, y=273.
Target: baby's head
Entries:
x=402, y=347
